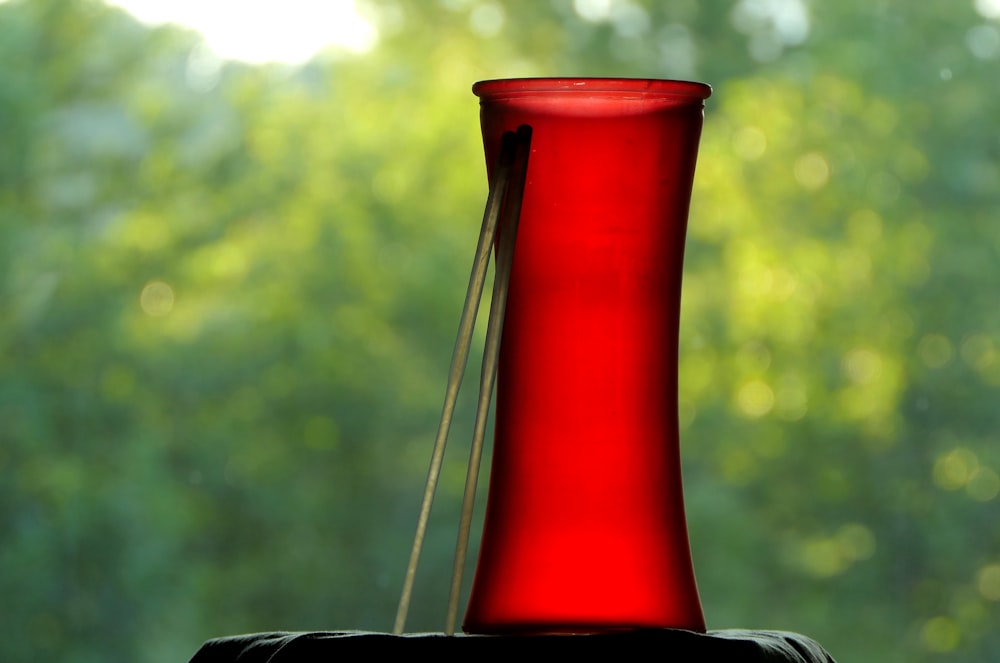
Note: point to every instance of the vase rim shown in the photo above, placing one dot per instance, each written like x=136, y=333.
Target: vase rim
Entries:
x=656, y=87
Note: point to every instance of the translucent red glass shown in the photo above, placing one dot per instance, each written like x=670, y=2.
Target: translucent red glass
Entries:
x=585, y=527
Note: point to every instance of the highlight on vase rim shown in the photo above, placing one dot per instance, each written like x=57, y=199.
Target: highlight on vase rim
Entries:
x=621, y=86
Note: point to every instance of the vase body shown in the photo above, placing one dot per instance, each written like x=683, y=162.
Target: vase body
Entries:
x=585, y=528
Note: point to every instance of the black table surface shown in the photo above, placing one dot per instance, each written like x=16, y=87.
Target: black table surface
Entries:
x=743, y=646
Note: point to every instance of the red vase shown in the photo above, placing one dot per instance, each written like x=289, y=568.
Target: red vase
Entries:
x=585, y=528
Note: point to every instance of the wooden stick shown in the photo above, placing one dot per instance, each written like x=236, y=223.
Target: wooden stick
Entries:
x=488, y=373
x=459, y=358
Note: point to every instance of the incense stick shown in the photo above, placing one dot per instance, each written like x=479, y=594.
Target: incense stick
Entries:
x=459, y=358
x=488, y=372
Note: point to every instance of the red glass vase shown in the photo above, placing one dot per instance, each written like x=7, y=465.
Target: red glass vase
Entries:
x=585, y=528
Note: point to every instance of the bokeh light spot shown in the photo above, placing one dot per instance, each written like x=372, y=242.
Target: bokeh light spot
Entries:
x=821, y=557
x=988, y=582
x=593, y=10
x=812, y=171
x=755, y=398
x=157, y=299
x=487, y=20
x=862, y=365
x=755, y=356
x=749, y=143
x=856, y=541
x=204, y=68
x=631, y=21
x=940, y=634
x=953, y=470
x=987, y=8
x=935, y=350
x=983, y=41
x=677, y=49
x=983, y=484
x=291, y=31
x=977, y=351
x=884, y=187
x=791, y=400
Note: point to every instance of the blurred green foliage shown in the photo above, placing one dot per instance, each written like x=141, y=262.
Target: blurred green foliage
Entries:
x=228, y=296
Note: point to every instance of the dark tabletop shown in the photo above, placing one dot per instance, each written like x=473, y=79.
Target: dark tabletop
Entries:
x=652, y=645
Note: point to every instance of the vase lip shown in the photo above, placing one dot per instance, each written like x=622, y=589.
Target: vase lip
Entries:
x=657, y=87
